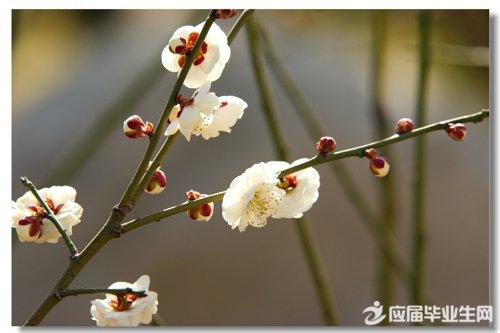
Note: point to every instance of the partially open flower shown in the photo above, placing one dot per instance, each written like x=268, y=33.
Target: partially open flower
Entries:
x=379, y=166
x=325, y=145
x=128, y=309
x=200, y=213
x=205, y=114
x=134, y=127
x=252, y=197
x=210, y=60
x=457, y=131
x=301, y=189
x=223, y=14
x=157, y=183
x=404, y=125
x=30, y=219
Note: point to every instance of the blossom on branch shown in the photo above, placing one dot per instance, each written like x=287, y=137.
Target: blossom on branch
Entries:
x=126, y=309
x=301, y=189
x=202, y=212
x=157, y=183
x=134, y=127
x=210, y=61
x=30, y=219
x=205, y=114
x=252, y=197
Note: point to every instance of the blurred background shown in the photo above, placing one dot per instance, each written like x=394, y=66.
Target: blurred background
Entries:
x=81, y=73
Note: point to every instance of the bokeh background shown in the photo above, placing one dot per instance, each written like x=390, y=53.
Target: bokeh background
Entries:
x=72, y=69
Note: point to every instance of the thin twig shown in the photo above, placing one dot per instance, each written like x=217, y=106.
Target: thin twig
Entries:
x=314, y=161
x=73, y=251
x=239, y=23
x=419, y=173
x=354, y=194
x=84, y=291
x=382, y=125
x=303, y=229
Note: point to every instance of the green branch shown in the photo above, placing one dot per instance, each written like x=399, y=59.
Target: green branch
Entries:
x=302, y=225
x=85, y=291
x=50, y=215
x=314, y=161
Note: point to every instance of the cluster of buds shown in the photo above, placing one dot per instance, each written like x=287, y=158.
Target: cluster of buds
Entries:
x=202, y=212
x=134, y=127
x=404, y=125
x=379, y=166
x=325, y=145
x=157, y=183
x=456, y=131
x=223, y=14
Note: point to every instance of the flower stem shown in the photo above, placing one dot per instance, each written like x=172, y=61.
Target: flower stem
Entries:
x=73, y=251
x=351, y=152
x=303, y=229
x=354, y=194
x=85, y=291
x=419, y=172
x=239, y=23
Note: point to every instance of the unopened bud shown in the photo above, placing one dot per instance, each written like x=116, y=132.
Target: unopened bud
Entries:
x=404, y=125
x=202, y=212
x=370, y=153
x=134, y=127
x=325, y=145
x=177, y=45
x=457, y=131
x=223, y=14
x=157, y=183
x=379, y=166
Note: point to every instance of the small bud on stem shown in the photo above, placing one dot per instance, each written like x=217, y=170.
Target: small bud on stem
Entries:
x=404, y=125
x=457, y=131
x=199, y=213
x=134, y=127
x=379, y=166
x=223, y=14
x=157, y=183
x=325, y=145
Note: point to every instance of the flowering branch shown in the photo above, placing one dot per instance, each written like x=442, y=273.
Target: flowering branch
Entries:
x=50, y=215
x=170, y=139
x=303, y=230
x=84, y=291
x=313, y=126
x=111, y=228
x=360, y=150
x=352, y=152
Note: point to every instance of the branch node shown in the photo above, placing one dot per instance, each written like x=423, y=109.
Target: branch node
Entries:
x=57, y=294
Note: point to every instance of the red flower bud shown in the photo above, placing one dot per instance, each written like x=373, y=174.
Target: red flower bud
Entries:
x=223, y=14
x=404, y=125
x=379, y=166
x=457, y=131
x=199, y=213
x=325, y=145
x=134, y=127
x=157, y=183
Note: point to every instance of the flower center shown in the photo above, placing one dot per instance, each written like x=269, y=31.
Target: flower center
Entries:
x=187, y=46
x=264, y=203
x=35, y=220
x=123, y=302
x=288, y=183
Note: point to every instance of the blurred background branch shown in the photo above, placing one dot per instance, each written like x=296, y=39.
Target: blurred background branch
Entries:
x=419, y=171
x=309, y=248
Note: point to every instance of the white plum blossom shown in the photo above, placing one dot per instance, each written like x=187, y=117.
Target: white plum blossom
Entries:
x=301, y=189
x=210, y=60
x=252, y=197
x=126, y=310
x=29, y=218
x=205, y=114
